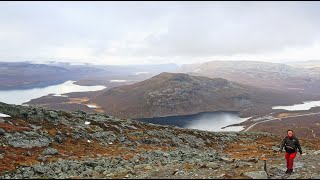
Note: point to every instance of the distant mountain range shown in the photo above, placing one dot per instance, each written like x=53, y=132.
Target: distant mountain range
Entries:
x=260, y=74
x=26, y=75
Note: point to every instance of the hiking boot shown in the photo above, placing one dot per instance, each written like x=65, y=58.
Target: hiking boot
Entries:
x=291, y=171
x=288, y=171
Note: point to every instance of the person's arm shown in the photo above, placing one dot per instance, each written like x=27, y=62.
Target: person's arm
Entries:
x=282, y=144
x=298, y=145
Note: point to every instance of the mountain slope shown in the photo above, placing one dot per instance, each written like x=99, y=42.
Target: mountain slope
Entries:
x=43, y=143
x=180, y=94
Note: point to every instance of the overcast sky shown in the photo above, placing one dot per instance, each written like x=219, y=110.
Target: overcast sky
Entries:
x=159, y=32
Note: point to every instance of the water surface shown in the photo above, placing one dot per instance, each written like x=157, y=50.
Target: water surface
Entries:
x=21, y=96
x=208, y=121
x=297, y=107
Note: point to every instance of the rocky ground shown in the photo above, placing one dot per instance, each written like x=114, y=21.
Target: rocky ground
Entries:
x=39, y=143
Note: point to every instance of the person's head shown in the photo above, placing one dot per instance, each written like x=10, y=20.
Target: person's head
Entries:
x=290, y=133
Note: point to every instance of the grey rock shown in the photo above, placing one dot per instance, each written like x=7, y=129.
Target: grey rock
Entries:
x=176, y=141
x=256, y=175
x=253, y=159
x=192, y=140
x=91, y=163
x=41, y=158
x=316, y=152
x=226, y=159
x=150, y=141
x=104, y=136
x=213, y=165
x=53, y=115
x=148, y=167
x=50, y=151
x=58, y=139
x=28, y=172
x=99, y=169
x=41, y=169
x=28, y=153
x=26, y=141
x=35, y=127
x=122, y=139
x=87, y=172
x=241, y=163
x=294, y=176
x=2, y=132
x=315, y=177
x=275, y=148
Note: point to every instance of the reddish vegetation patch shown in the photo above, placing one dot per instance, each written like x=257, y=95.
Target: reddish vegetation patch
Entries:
x=249, y=150
x=13, y=128
x=14, y=157
x=79, y=149
x=310, y=143
x=128, y=156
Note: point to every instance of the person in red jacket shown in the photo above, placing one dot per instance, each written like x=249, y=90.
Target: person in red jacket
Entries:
x=291, y=145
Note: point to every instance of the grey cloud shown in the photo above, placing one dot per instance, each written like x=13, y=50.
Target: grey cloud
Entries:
x=184, y=29
x=232, y=29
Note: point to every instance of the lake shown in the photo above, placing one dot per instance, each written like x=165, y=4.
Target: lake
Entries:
x=208, y=121
x=297, y=107
x=19, y=97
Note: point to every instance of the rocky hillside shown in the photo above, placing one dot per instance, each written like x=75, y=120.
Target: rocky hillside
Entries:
x=39, y=143
x=181, y=94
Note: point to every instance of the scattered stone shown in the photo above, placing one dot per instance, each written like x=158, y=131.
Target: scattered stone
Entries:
x=294, y=176
x=99, y=169
x=28, y=153
x=28, y=141
x=58, y=139
x=2, y=132
x=316, y=152
x=227, y=160
x=256, y=175
x=275, y=148
x=41, y=158
x=148, y=167
x=253, y=159
x=50, y=151
x=315, y=177
x=122, y=139
x=213, y=165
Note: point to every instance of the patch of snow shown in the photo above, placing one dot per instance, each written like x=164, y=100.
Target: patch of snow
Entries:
x=91, y=106
x=118, y=80
x=110, y=143
x=296, y=107
x=87, y=122
x=137, y=73
x=59, y=95
x=4, y=115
